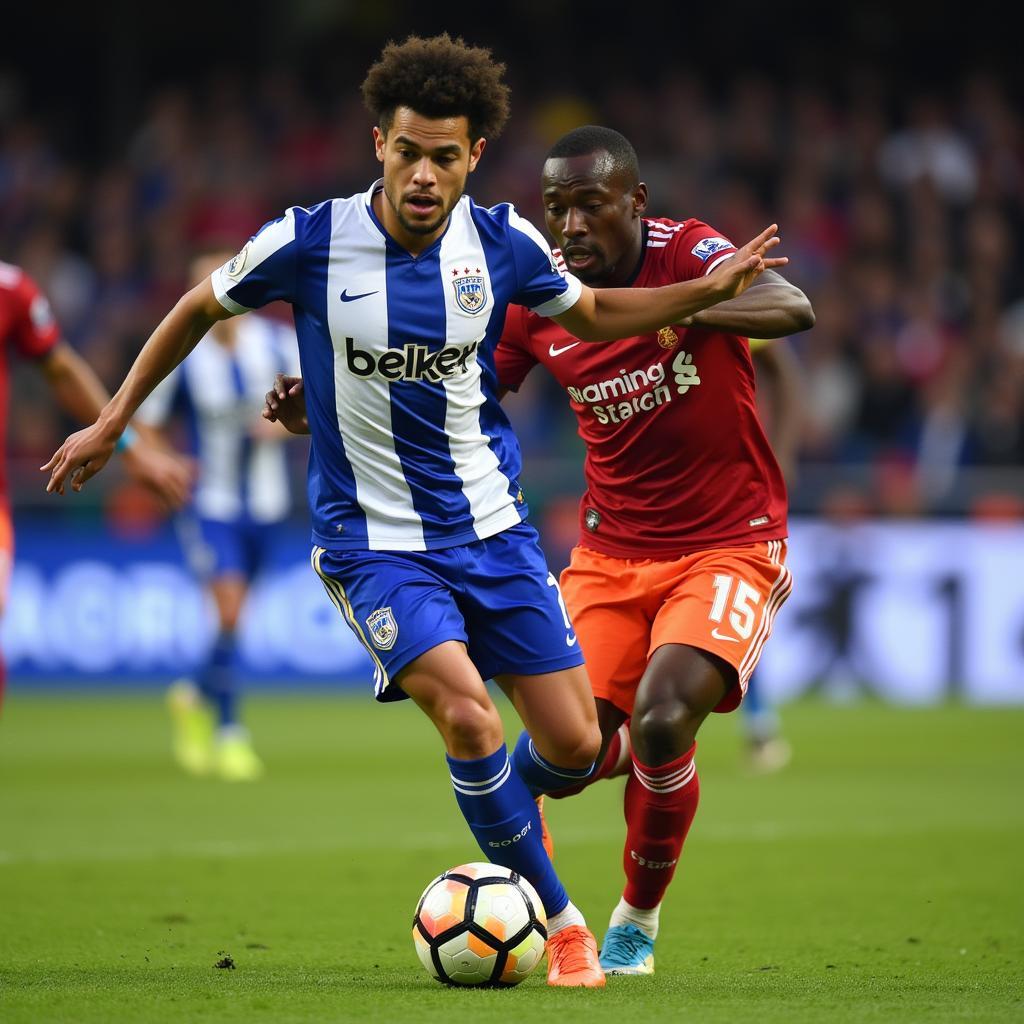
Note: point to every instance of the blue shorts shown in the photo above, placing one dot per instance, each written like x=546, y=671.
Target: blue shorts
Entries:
x=215, y=548
x=496, y=596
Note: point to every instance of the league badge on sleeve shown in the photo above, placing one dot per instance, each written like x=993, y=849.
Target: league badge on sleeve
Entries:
x=383, y=628
x=236, y=264
x=707, y=247
x=470, y=291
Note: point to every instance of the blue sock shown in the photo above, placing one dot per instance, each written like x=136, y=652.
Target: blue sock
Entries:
x=539, y=774
x=217, y=680
x=501, y=813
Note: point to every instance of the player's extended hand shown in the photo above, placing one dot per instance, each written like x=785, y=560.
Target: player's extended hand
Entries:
x=736, y=274
x=167, y=474
x=285, y=403
x=80, y=457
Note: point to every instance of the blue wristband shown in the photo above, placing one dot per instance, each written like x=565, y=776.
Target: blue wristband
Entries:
x=126, y=440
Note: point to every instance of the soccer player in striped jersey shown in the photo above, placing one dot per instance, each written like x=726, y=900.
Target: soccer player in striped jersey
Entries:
x=680, y=566
x=419, y=530
x=29, y=329
x=242, y=495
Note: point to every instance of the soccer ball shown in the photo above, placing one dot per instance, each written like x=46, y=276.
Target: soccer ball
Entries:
x=480, y=924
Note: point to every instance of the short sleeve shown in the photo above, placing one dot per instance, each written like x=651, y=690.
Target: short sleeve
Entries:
x=263, y=272
x=513, y=358
x=698, y=248
x=156, y=409
x=542, y=286
x=34, y=332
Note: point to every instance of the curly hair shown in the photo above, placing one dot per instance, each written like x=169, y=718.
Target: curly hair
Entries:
x=439, y=77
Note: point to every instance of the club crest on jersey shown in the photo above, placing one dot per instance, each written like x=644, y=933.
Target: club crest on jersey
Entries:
x=383, y=628
x=707, y=247
x=470, y=292
x=592, y=519
x=667, y=338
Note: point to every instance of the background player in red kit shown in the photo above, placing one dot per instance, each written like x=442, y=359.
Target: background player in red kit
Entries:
x=680, y=570
x=27, y=327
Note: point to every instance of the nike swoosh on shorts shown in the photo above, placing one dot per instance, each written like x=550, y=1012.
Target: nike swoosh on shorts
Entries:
x=720, y=636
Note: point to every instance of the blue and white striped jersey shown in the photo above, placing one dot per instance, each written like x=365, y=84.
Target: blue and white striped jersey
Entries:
x=243, y=473
x=410, y=449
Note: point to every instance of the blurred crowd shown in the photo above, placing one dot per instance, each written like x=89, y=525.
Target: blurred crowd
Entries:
x=900, y=213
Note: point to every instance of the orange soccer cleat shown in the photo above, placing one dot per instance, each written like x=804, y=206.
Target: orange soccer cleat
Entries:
x=545, y=832
x=572, y=959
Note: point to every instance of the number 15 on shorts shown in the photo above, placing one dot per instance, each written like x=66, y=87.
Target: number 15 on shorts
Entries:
x=740, y=598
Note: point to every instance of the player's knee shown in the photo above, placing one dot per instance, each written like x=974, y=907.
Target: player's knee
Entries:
x=578, y=749
x=666, y=729
x=469, y=727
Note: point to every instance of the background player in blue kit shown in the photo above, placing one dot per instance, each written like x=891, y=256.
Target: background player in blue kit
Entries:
x=242, y=494
x=399, y=297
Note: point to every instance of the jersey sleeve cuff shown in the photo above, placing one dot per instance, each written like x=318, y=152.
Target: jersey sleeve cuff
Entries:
x=721, y=259
x=216, y=280
x=560, y=303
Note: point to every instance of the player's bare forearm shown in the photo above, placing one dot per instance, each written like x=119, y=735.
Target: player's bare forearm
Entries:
x=73, y=383
x=606, y=314
x=782, y=374
x=770, y=308
x=86, y=452
x=178, y=333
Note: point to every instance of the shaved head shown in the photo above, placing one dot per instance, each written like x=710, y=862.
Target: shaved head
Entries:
x=616, y=157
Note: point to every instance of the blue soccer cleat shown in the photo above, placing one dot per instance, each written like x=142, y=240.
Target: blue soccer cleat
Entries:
x=627, y=950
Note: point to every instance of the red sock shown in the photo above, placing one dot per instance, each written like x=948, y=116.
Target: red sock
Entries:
x=660, y=804
x=606, y=769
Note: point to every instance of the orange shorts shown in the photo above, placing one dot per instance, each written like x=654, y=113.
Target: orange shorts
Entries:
x=722, y=600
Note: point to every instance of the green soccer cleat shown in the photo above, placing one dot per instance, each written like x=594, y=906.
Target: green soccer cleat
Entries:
x=192, y=728
x=235, y=760
x=627, y=950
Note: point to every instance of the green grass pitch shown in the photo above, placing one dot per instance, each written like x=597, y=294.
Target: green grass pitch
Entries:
x=878, y=878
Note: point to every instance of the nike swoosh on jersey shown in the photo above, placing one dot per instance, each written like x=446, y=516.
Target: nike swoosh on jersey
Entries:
x=722, y=636
x=345, y=297
x=552, y=351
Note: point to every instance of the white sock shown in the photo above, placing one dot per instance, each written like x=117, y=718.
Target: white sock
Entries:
x=625, y=752
x=645, y=920
x=568, y=915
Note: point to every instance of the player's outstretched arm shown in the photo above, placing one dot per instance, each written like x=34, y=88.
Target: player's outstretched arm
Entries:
x=606, y=314
x=770, y=308
x=285, y=403
x=86, y=452
x=79, y=392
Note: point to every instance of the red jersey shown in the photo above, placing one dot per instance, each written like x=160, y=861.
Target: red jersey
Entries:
x=27, y=327
x=677, y=460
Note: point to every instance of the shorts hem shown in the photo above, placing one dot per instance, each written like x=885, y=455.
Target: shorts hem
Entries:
x=536, y=668
x=392, y=691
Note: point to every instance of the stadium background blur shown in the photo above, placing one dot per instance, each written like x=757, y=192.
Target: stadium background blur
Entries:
x=889, y=146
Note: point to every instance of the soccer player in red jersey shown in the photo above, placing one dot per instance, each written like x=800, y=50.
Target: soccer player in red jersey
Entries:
x=28, y=328
x=680, y=567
